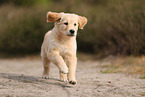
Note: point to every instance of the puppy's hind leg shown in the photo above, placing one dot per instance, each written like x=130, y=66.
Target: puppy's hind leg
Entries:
x=46, y=65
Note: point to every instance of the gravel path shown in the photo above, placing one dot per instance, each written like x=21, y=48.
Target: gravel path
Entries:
x=21, y=77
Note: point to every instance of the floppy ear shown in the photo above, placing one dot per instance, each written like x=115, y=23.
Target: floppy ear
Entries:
x=82, y=22
x=53, y=16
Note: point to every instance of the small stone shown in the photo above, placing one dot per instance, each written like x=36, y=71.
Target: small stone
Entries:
x=109, y=81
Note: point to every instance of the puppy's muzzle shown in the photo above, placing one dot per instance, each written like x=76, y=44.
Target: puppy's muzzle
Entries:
x=72, y=32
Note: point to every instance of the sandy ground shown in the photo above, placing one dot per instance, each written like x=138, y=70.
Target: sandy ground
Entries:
x=21, y=77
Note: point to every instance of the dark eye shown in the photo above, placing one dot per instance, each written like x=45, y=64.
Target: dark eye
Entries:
x=75, y=24
x=66, y=23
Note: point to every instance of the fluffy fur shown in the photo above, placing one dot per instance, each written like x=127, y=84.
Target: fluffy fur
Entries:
x=59, y=45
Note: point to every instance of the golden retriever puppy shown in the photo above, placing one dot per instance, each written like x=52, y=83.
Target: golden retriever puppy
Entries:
x=59, y=45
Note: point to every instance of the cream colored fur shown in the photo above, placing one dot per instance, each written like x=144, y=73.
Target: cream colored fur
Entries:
x=59, y=45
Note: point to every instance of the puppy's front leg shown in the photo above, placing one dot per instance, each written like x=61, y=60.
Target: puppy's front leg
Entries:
x=58, y=61
x=72, y=63
x=63, y=77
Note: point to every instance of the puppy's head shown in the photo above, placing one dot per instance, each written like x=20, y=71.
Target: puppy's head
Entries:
x=67, y=24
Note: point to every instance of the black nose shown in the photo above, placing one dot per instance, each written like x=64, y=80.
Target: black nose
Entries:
x=72, y=31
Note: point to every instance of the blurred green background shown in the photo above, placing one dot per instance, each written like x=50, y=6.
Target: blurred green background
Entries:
x=115, y=27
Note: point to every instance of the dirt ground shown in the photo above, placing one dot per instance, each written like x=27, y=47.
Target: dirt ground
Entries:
x=21, y=77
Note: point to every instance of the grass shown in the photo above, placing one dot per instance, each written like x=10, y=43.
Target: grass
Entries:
x=116, y=64
x=143, y=94
x=114, y=27
x=143, y=76
x=129, y=65
x=21, y=29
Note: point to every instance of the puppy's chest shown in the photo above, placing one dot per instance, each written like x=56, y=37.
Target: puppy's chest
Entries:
x=65, y=47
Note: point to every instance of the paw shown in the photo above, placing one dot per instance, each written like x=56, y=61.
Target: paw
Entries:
x=64, y=70
x=64, y=80
x=45, y=77
x=73, y=82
